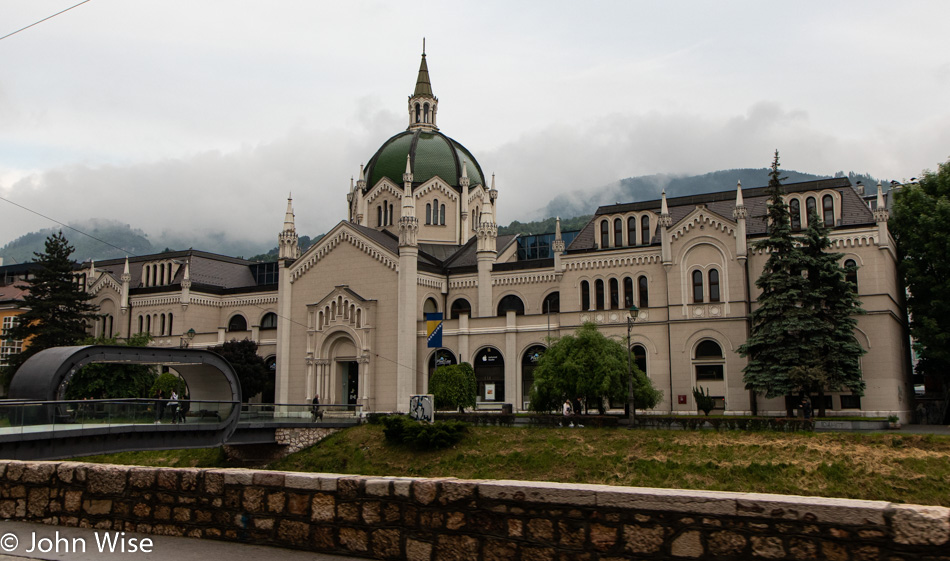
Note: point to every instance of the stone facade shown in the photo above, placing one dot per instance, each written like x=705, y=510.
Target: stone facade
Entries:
x=450, y=519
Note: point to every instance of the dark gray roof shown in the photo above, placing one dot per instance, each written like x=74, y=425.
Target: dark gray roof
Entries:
x=467, y=254
x=854, y=211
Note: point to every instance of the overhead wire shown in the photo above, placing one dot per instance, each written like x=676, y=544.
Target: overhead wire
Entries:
x=44, y=19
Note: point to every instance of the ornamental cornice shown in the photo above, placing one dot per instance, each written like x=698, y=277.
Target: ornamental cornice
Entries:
x=211, y=301
x=155, y=300
x=436, y=185
x=863, y=239
x=431, y=282
x=530, y=278
x=607, y=262
x=470, y=282
x=384, y=185
x=700, y=220
x=325, y=246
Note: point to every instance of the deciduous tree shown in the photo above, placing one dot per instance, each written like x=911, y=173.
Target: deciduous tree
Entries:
x=920, y=223
x=454, y=386
x=111, y=381
x=588, y=365
x=248, y=365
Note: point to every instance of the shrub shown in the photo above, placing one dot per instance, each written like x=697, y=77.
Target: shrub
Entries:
x=703, y=401
x=400, y=429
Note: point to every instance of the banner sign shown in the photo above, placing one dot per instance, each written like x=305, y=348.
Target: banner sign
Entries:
x=434, y=330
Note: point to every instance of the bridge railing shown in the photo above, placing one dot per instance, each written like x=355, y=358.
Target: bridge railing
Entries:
x=303, y=413
x=31, y=416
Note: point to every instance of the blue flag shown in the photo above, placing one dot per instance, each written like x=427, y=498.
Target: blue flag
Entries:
x=434, y=330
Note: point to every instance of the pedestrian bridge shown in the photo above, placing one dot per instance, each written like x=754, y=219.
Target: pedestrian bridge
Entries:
x=37, y=423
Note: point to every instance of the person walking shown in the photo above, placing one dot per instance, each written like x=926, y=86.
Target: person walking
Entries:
x=173, y=405
x=567, y=413
x=159, y=406
x=315, y=412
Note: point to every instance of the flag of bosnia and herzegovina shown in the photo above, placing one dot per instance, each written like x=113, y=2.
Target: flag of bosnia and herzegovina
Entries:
x=434, y=330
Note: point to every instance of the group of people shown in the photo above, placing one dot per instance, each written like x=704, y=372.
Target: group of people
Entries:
x=570, y=413
x=161, y=404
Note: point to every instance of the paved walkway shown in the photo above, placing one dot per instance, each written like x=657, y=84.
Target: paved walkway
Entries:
x=163, y=547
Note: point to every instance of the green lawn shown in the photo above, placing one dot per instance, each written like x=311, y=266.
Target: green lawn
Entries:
x=898, y=468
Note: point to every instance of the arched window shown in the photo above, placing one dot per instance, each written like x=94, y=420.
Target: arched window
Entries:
x=604, y=234
x=811, y=207
x=632, y=231
x=429, y=307
x=529, y=362
x=511, y=303
x=418, y=112
x=442, y=215
x=713, y=285
x=459, y=307
x=169, y=324
x=599, y=294
x=162, y=330
x=161, y=276
x=614, y=294
x=269, y=321
x=585, y=296
x=551, y=303
x=640, y=357
x=141, y=326
x=643, y=286
x=390, y=214
x=379, y=216
x=428, y=213
x=237, y=323
x=441, y=357
x=425, y=113
x=708, y=361
x=627, y=292
x=148, y=324
x=851, y=273
x=145, y=283
x=618, y=232
x=645, y=230
x=828, y=210
x=795, y=211
x=697, y=286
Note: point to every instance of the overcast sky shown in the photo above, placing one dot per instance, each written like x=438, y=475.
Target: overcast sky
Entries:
x=197, y=118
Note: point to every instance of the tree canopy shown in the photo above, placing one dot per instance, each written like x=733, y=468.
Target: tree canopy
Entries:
x=250, y=368
x=454, y=386
x=920, y=223
x=590, y=366
x=57, y=308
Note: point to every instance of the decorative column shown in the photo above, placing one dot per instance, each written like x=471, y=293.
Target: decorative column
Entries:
x=463, y=205
x=486, y=253
x=407, y=297
x=665, y=221
x=880, y=216
x=740, y=213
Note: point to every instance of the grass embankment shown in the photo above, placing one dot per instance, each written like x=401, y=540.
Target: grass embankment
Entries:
x=201, y=457
x=898, y=468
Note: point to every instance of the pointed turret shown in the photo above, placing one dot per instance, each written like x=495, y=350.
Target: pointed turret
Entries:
x=739, y=214
x=126, y=279
x=408, y=223
x=185, y=298
x=91, y=275
x=287, y=240
x=664, y=223
x=423, y=104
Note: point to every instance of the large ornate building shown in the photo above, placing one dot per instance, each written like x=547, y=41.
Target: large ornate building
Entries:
x=346, y=319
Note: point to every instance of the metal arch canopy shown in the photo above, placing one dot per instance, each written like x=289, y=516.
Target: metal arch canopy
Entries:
x=44, y=376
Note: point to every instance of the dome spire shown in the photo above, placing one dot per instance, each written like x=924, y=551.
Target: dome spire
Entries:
x=422, y=103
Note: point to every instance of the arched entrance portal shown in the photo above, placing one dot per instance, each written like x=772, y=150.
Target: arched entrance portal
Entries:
x=343, y=382
x=528, y=363
x=490, y=375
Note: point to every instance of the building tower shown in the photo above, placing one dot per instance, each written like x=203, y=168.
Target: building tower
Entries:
x=287, y=240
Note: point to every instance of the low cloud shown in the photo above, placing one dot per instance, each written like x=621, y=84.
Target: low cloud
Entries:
x=210, y=199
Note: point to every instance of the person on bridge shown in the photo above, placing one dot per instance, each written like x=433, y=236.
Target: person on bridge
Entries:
x=159, y=406
x=173, y=405
x=315, y=412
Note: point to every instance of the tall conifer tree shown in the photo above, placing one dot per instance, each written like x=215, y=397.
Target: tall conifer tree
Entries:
x=57, y=307
x=832, y=302
x=778, y=339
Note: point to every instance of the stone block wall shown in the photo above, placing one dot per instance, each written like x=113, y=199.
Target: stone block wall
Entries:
x=450, y=519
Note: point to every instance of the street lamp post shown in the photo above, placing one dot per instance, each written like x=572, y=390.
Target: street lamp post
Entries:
x=631, y=406
x=186, y=338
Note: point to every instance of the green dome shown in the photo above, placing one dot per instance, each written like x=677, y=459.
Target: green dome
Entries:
x=431, y=154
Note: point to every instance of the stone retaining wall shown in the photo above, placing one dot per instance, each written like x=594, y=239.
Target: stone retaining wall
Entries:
x=450, y=519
